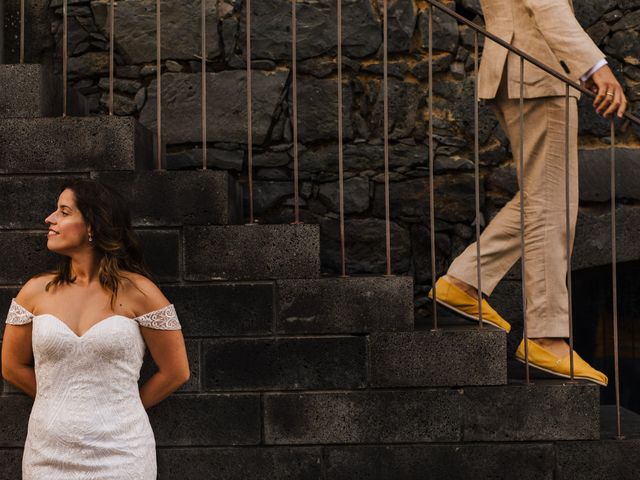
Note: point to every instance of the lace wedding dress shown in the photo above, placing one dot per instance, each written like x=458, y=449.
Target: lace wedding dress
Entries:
x=87, y=421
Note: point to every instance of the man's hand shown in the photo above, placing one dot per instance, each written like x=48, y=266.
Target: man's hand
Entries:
x=610, y=95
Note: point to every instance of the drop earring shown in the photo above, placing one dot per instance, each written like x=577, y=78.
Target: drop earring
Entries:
x=90, y=238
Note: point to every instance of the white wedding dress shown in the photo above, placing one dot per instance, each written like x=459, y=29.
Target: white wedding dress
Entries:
x=87, y=421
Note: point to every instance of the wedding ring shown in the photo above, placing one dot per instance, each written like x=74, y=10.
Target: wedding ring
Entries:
x=609, y=93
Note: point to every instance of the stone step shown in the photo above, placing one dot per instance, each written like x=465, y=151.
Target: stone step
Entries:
x=224, y=309
x=602, y=459
x=156, y=197
x=339, y=362
x=513, y=413
x=449, y=356
x=284, y=363
x=174, y=198
x=541, y=411
x=255, y=308
x=358, y=304
x=584, y=460
x=295, y=363
x=15, y=410
x=608, y=458
x=161, y=250
x=238, y=463
x=218, y=419
x=74, y=144
x=236, y=309
x=232, y=252
x=32, y=90
x=251, y=252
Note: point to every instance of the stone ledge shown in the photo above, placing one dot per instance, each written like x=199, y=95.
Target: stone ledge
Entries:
x=74, y=144
x=447, y=357
x=161, y=252
x=595, y=174
x=15, y=411
x=156, y=198
x=222, y=309
x=544, y=410
x=345, y=305
x=318, y=363
x=438, y=462
x=593, y=236
x=255, y=252
x=175, y=198
x=31, y=90
x=362, y=417
x=216, y=419
x=27, y=200
x=256, y=463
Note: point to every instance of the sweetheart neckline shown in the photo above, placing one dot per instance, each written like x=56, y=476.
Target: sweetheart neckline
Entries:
x=90, y=328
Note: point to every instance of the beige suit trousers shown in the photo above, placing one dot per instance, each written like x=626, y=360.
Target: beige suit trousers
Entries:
x=544, y=213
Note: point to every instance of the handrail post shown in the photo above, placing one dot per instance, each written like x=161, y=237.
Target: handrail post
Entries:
x=522, y=226
x=1, y=32
x=567, y=118
x=614, y=279
x=432, y=222
x=476, y=161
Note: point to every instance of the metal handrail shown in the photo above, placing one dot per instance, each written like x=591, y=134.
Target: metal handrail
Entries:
x=522, y=54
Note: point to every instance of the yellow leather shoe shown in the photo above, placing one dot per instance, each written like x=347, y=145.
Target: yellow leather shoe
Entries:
x=460, y=302
x=543, y=359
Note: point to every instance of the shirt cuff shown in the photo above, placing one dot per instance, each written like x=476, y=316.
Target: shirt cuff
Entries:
x=593, y=70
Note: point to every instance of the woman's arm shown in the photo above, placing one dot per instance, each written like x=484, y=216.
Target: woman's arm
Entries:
x=167, y=348
x=17, y=351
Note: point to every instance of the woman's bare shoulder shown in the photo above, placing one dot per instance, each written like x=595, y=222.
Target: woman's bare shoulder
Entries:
x=34, y=287
x=143, y=293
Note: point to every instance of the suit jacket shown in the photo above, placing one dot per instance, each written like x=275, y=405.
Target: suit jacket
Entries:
x=545, y=29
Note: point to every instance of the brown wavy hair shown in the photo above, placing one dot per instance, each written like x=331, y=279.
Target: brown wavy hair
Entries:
x=114, y=240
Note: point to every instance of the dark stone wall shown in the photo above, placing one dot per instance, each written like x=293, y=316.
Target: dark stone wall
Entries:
x=614, y=26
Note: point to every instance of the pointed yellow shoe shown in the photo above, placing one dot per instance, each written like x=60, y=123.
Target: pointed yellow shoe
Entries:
x=460, y=302
x=543, y=359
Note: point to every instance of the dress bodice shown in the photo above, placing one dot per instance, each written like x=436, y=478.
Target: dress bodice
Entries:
x=111, y=349
x=87, y=415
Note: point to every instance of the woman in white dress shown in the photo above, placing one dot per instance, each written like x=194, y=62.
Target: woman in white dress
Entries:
x=75, y=339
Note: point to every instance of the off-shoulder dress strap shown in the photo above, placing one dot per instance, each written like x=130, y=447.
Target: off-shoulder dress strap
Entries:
x=18, y=315
x=164, y=318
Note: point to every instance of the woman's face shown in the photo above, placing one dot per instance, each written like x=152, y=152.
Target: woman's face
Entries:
x=67, y=228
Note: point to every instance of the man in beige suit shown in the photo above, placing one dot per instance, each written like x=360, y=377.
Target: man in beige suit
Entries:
x=548, y=31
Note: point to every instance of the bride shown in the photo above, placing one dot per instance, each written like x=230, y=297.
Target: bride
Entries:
x=75, y=339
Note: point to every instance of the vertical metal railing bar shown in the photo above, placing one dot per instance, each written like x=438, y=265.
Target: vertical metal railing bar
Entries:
x=249, y=112
x=385, y=95
x=432, y=223
x=568, y=228
x=111, y=52
x=294, y=92
x=522, y=249
x=65, y=56
x=614, y=278
x=159, y=90
x=22, y=28
x=340, y=139
x=476, y=154
x=1, y=33
x=203, y=82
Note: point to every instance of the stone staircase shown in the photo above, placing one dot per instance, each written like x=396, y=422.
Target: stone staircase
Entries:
x=295, y=374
